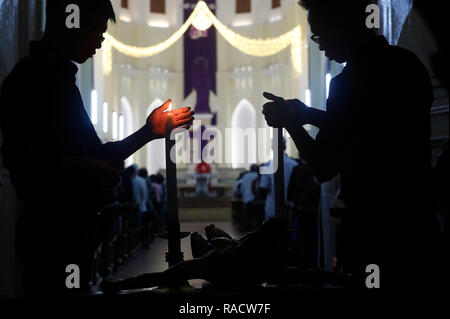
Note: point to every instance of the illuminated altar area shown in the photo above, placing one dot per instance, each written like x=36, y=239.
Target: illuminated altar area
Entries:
x=233, y=51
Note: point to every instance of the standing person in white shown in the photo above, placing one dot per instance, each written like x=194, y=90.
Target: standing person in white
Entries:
x=245, y=190
x=140, y=192
x=267, y=183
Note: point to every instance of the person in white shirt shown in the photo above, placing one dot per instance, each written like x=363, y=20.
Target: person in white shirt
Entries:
x=267, y=183
x=140, y=192
x=158, y=188
x=326, y=230
x=246, y=183
x=237, y=186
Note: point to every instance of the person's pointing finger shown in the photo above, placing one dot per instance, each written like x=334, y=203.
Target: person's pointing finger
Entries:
x=273, y=97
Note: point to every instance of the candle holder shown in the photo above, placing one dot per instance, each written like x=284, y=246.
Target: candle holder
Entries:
x=280, y=202
x=174, y=254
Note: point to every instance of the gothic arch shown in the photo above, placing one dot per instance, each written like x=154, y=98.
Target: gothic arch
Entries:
x=243, y=150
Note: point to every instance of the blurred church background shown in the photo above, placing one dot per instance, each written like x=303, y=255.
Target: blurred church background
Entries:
x=202, y=70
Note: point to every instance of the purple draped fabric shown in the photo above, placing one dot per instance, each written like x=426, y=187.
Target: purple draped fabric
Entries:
x=200, y=59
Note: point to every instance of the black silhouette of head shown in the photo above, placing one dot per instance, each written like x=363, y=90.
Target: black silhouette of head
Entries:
x=142, y=172
x=77, y=44
x=338, y=27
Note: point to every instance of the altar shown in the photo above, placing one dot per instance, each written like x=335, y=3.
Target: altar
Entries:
x=221, y=182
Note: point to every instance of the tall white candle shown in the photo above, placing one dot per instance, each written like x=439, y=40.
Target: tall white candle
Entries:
x=279, y=185
x=174, y=255
x=171, y=174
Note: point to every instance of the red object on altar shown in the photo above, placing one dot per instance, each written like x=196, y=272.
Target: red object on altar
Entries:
x=203, y=168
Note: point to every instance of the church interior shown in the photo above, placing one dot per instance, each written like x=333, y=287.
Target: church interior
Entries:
x=217, y=57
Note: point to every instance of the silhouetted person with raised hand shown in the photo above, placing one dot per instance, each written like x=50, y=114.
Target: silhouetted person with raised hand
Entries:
x=46, y=129
x=375, y=133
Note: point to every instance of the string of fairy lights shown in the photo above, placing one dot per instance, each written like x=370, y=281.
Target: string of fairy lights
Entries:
x=202, y=19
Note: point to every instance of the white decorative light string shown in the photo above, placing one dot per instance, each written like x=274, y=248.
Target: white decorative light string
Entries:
x=203, y=16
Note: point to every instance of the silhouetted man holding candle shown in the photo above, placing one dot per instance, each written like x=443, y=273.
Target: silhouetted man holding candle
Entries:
x=376, y=134
x=47, y=130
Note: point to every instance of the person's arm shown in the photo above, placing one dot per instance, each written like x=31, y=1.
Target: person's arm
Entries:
x=317, y=153
x=145, y=190
x=320, y=153
x=303, y=141
x=264, y=186
x=263, y=192
x=293, y=111
x=142, y=191
x=117, y=152
x=315, y=117
x=154, y=128
x=237, y=189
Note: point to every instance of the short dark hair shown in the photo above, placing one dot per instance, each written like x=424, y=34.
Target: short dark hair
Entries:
x=91, y=13
x=350, y=12
x=332, y=4
x=159, y=178
x=142, y=172
x=131, y=169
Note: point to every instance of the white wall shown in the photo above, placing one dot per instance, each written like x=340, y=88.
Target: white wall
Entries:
x=273, y=74
x=261, y=12
x=145, y=83
x=139, y=13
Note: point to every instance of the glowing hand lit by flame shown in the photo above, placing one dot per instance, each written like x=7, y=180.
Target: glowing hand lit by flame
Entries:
x=164, y=119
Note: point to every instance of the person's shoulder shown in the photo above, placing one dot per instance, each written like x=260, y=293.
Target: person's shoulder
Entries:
x=157, y=186
x=266, y=178
x=268, y=163
x=20, y=80
x=19, y=73
x=141, y=180
x=29, y=73
x=403, y=57
x=402, y=53
x=251, y=175
x=340, y=77
x=291, y=161
x=411, y=69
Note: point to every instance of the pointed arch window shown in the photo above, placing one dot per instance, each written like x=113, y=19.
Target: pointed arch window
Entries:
x=243, y=135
